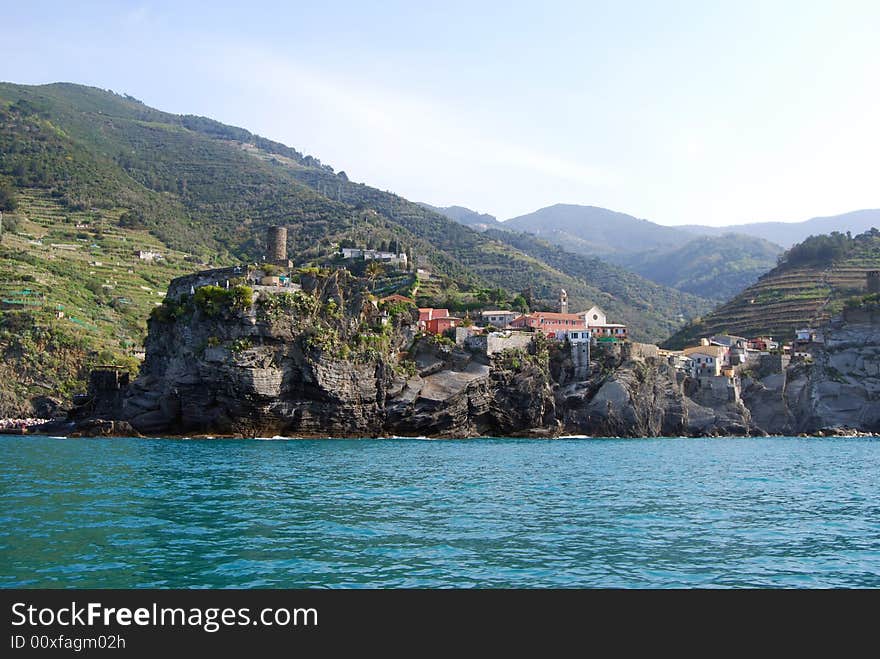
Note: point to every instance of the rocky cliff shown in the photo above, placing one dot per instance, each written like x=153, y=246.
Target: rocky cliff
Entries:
x=837, y=391
x=328, y=361
x=322, y=361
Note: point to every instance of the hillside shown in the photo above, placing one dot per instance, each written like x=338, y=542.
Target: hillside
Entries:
x=811, y=284
x=789, y=233
x=198, y=191
x=716, y=268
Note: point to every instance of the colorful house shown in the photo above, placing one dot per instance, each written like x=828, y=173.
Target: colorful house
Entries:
x=440, y=325
x=554, y=325
x=427, y=314
x=609, y=331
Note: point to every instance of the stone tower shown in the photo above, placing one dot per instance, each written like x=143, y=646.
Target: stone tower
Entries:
x=276, y=245
x=563, y=301
x=873, y=277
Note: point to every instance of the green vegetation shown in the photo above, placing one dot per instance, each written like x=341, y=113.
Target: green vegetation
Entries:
x=813, y=281
x=211, y=189
x=715, y=268
x=216, y=300
x=869, y=303
x=820, y=249
x=8, y=197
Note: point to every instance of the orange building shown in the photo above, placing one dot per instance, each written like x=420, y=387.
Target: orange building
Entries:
x=427, y=313
x=555, y=325
x=440, y=325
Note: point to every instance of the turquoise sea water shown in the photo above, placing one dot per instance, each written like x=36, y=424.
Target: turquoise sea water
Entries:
x=469, y=513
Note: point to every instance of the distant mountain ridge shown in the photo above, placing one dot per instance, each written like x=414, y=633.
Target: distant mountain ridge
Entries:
x=712, y=262
x=790, y=233
x=712, y=267
x=466, y=216
x=597, y=231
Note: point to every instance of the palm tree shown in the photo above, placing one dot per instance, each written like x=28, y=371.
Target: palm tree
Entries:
x=374, y=269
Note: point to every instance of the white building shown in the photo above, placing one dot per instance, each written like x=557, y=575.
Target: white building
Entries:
x=706, y=360
x=397, y=259
x=149, y=255
x=577, y=336
x=594, y=316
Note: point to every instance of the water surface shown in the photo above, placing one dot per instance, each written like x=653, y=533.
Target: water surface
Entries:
x=471, y=513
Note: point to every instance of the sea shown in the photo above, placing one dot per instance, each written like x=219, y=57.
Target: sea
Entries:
x=474, y=513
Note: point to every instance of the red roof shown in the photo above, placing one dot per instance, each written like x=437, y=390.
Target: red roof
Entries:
x=428, y=313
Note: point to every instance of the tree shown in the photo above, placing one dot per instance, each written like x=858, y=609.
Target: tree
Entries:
x=8, y=199
x=497, y=295
x=374, y=270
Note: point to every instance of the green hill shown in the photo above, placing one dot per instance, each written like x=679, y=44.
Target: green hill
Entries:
x=103, y=175
x=716, y=268
x=811, y=283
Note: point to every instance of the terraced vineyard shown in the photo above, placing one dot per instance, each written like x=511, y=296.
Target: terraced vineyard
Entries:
x=791, y=296
x=74, y=293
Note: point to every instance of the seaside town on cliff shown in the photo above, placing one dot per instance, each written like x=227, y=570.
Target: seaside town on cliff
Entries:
x=269, y=350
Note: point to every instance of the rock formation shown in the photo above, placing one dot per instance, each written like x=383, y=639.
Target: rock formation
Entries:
x=326, y=361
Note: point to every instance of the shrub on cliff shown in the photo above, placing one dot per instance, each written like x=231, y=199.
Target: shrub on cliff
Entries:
x=213, y=301
x=302, y=304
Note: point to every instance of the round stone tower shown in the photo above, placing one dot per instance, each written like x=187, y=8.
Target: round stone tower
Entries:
x=276, y=245
x=873, y=277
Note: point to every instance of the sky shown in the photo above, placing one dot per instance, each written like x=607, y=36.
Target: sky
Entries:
x=679, y=112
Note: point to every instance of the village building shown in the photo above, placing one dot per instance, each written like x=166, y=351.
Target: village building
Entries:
x=609, y=332
x=398, y=259
x=600, y=329
x=498, y=318
x=436, y=321
x=706, y=359
x=441, y=324
x=594, y=316
x=149, y=255
x=554, y=325
x=809, y=335
x=763, y=344
x=728, y=341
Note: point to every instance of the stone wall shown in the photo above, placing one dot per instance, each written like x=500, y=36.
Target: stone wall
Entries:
x=182, y=285
x=494, y=342
x=642, y=351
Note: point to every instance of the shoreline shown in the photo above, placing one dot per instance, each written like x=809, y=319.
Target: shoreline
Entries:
x=219, y=436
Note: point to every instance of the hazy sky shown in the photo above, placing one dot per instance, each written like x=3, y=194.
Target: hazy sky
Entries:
x=680, y=112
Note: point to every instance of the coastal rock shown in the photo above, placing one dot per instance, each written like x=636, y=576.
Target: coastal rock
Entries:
x=248, y=374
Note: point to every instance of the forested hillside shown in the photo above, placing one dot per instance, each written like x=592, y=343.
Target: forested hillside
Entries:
x=715, y=268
